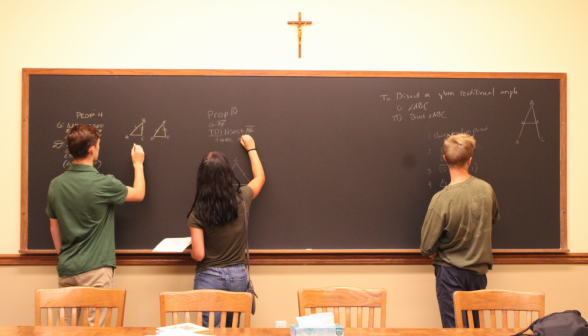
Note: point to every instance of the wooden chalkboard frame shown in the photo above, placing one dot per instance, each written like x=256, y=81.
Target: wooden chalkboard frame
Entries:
x=316, y=256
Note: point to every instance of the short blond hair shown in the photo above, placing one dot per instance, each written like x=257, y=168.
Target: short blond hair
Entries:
x=458, y=149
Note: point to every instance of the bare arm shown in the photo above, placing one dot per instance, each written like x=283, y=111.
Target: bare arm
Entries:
x=137, y=191
x=55, y=234
x=197, y=243
x=258, y=175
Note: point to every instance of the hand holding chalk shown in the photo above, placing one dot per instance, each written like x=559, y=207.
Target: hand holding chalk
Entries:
x=247, y=142
x=137, y=154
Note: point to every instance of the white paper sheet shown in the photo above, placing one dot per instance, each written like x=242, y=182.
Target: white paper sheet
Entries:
x=173, y=245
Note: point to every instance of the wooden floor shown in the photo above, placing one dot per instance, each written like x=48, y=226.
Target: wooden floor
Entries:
x=140, y=331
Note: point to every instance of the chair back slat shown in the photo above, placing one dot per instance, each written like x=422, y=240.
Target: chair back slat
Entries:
x=74, y=317
x=206, y=300
x=85, y=314
x=49, y=317
x=62, y=316
x=498, y=300
x=187, y=317
x=347, y=297
x=97, y=315
x=348, y=317
x=470, y=316
x=108, y=316
x=236, y=318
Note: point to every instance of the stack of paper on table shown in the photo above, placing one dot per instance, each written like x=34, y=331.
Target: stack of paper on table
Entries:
x=180, y=329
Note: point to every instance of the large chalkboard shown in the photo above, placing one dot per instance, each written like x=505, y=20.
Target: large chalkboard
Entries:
x=352, y=159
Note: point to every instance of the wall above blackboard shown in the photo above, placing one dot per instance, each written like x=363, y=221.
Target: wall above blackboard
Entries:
x=352, y=158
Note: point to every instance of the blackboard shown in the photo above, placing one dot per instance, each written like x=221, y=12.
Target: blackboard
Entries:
x=352, y=159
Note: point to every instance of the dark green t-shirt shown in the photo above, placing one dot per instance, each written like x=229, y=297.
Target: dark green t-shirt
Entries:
x=458, y=226
x=224, y=245
x=82, y=200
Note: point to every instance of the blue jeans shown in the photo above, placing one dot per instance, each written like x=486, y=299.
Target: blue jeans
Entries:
x=231, y=278
x=450, y=280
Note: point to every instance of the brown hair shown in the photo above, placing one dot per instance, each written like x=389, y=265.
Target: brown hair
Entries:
x=80, y=138
x=458, y=149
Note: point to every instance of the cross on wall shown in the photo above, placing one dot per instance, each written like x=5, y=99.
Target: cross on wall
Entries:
x=299, y=24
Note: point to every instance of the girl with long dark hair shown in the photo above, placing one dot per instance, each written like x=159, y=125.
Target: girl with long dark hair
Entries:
x=217, y=223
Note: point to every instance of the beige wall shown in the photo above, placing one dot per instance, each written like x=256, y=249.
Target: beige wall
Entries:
x=425, y=35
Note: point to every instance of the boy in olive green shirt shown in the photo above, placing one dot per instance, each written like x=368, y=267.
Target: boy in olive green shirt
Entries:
x=457, y=231
x=80, y=206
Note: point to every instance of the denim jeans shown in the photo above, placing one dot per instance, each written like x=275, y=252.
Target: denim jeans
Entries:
x=231, y=278
x=450, y=280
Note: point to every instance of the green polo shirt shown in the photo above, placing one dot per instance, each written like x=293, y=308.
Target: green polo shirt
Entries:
x=82, y=200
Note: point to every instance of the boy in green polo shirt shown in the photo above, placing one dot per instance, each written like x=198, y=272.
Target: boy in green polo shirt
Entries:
x=457, y=232
x=80, y=206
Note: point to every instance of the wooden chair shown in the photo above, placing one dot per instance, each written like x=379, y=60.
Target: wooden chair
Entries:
x=495, y=300
x=80, y=297
x=335, y=297
x=206, y=300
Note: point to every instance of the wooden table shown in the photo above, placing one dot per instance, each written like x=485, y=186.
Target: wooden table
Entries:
x=141, y=331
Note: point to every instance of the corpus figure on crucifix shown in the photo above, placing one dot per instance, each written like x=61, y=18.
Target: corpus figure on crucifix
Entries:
x=300, y=24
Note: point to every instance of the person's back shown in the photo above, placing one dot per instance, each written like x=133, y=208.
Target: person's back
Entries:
x=466, y=239
x=217, y=222
x=457, y=230
x=84, y=201
x=80, y=206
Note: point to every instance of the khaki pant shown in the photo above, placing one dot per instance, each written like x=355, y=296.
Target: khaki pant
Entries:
x=99, y=278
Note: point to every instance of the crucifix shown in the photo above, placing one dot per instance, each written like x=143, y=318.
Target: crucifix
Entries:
x=300, y=24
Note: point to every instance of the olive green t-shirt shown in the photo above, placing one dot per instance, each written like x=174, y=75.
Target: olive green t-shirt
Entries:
x=82, y=200
x=224, y=245
x=458, y=226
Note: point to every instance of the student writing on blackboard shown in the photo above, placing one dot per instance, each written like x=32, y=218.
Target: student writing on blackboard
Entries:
x=457, y=230
x=217, y=223
x=80, y=206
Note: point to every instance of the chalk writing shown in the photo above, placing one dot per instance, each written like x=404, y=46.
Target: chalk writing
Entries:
x=138, y=131
x=438, y=135
x=418, y=106
x=240, y=170
x=534, y=122
x=438, y=114
x=402, y=95
x=510, y=93
x=161, y=132
x=476, y=92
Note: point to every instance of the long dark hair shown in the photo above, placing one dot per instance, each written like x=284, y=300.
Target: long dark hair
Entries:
x=216, y=201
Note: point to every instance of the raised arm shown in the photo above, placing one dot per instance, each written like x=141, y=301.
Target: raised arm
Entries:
x=137, y=191
x=258, y=175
